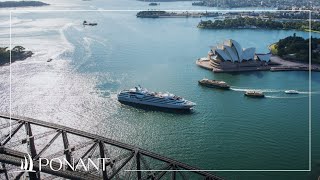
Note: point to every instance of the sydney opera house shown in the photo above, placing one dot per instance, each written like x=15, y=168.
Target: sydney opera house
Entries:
x=231, y=56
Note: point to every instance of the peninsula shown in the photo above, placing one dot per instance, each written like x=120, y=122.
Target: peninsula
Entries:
x=289, y=4
x=165, y=14
x=18, y=53
x=295, y=48
x=289, y=54
x=9, y=4
x=258, y=23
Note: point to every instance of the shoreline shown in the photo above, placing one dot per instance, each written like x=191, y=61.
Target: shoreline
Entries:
x=19, y=57
x=172, y=14
x=236, y=28
x=280, y=60
x=22, y=4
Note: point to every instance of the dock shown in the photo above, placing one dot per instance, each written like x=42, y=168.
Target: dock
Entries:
x=288, y=68
x=204, y=63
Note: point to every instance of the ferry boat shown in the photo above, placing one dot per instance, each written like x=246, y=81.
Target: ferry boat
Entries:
x=291, y=92
x=256, y=94
x=214, y=84
x=142, y=96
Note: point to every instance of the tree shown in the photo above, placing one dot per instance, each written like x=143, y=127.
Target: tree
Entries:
x=18, y=49
x=3, y=49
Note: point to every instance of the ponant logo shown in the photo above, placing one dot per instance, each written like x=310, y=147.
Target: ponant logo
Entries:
x=63, y=164
x=27, y=166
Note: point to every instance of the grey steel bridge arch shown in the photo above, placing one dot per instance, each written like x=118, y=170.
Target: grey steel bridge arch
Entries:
x=122, y=156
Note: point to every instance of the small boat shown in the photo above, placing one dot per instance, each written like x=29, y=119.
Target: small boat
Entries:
x=141, y=96
x=256, y=94
x=49, y=60
x=291, y=92
x=214, y=84
x=85, y=23
x=154, y=4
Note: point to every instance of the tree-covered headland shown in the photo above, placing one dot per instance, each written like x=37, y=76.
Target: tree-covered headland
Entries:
x=297, y=48
x=8, y=4
x=249, y=22
x=17, y=53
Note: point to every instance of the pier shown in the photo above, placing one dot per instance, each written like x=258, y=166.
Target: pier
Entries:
x=204, y=63
x=126, y=161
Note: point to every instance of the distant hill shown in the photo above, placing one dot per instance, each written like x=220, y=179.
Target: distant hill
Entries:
x=163, y=0
x=8, y=4
x=280, y=4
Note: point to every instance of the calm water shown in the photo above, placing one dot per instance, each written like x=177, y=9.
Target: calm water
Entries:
x=91, y=64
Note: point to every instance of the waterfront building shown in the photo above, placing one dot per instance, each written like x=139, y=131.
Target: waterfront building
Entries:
x=230, y=55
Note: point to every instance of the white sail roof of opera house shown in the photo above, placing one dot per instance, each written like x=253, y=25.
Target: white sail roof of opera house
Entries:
x=248, y=53
x=231, y=50
x=223, y=55
x=264, y=57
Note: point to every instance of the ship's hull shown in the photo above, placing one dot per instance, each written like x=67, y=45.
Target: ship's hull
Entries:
x=254, y=96
x=213, y=85
x=135, y=101
x=156, y=108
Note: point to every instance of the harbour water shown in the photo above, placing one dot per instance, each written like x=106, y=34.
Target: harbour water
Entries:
x=90, y=65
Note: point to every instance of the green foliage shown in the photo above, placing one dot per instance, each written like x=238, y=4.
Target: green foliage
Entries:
x=17, y=53
x=258, y=23
x=4, y=55
x=151, y=13
x=297, y=48
x=273, y=49
x=18, y=49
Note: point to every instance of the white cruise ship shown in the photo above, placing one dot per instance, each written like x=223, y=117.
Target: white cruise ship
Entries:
x=142, y=96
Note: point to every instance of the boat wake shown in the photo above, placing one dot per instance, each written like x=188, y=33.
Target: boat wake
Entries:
x=286, y=97
x=306, y=92
x=69, y=47
x=249, y=89
x=240, y=89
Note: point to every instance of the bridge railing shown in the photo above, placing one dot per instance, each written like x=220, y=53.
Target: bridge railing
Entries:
x=22, y=136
